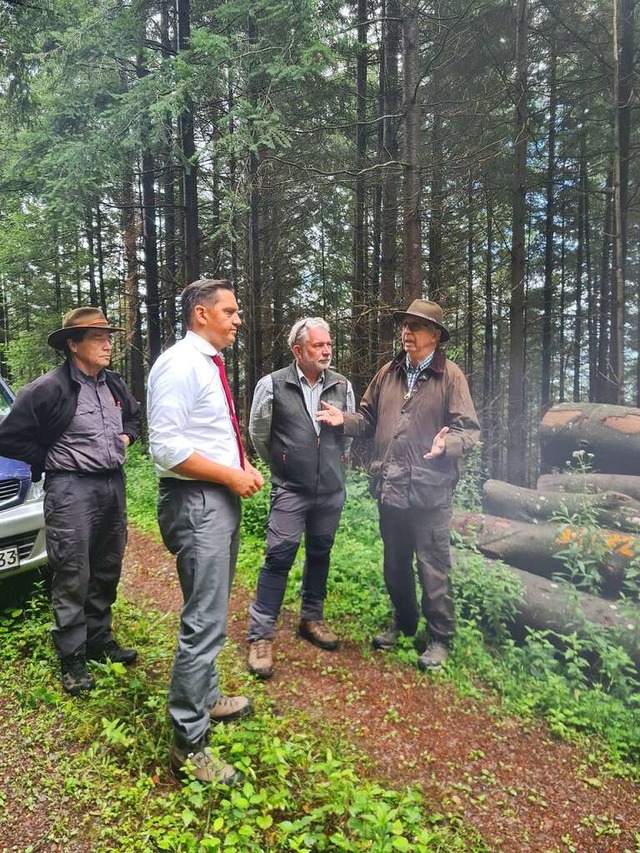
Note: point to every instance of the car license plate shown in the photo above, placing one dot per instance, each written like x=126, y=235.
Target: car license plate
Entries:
x=9, y=558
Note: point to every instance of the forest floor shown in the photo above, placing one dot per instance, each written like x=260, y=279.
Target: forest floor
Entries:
x=519, y=786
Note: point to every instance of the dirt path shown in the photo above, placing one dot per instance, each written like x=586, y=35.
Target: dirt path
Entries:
x=524, y=791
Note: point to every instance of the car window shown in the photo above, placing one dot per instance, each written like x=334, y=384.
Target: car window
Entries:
x=5, y=402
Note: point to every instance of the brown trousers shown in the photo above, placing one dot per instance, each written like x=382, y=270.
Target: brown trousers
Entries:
x=425, y=534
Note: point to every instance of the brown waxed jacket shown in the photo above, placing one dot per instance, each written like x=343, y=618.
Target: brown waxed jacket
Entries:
x=403, y=431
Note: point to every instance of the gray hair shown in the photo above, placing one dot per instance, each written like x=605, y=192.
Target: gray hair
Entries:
x=204, y=290
x=301, y=327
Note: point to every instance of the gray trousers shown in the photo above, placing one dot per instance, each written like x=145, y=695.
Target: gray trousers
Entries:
x=290, y=514
x=86, y=534
x=200, y=524
x=425, y=533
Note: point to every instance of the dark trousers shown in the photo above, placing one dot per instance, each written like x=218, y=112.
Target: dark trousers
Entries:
x=86, y=534
x=200, y=524
x=425, y=534
x=292, y=513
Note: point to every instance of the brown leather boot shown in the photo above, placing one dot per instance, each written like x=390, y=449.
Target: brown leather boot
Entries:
x=261, y=658
x=317, y=633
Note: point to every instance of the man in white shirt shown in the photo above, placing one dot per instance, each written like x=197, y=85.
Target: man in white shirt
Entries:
x=196, y=447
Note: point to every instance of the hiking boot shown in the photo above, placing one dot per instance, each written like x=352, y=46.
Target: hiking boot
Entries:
x=261, y=659
x=228, y=708
x=316, y=632
x=197, y=761
x=433, y=656
x=387, y=640
x=75, y=678
x=113, y=651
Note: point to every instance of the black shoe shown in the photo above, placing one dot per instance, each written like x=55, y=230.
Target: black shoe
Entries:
x=75, y=678
x=112, y=651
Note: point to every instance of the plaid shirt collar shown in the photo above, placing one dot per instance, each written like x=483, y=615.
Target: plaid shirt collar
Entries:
x=414, y=372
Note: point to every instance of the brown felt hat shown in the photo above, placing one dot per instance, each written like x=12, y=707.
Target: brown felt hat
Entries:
x=80, y=318
x=427, y=312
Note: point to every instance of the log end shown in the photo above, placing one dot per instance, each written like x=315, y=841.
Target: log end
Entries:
x=628, y=424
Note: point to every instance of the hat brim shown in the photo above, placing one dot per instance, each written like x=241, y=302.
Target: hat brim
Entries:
x=401, y=316
x=57, y=339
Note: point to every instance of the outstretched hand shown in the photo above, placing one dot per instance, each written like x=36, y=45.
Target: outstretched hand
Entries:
x=438, y=445
x=329, y=414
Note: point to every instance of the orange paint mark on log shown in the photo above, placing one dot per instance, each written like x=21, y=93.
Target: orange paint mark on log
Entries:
x=627, y=424
x=560, y=418
x=624, y=545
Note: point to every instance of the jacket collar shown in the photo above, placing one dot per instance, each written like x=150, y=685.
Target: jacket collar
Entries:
x=436, y=367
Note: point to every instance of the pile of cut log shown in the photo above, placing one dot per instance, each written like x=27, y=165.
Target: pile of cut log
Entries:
x=516, y=526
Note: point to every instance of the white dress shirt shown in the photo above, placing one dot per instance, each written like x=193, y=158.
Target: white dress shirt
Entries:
x=187, y=408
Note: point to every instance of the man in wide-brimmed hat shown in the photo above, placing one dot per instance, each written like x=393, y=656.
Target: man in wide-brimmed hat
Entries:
x=74, y=424
x=419, y=410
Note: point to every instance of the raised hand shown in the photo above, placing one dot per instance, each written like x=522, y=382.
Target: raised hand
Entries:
x=438, y=445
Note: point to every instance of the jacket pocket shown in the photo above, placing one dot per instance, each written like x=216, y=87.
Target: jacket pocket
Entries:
x=432, y=484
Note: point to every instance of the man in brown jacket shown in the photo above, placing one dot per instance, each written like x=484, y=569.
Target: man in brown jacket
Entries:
x=419, y=410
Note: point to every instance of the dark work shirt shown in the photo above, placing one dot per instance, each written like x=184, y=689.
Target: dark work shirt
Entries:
x=93, y=440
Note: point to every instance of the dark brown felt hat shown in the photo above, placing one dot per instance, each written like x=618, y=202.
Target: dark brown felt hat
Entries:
x=428, y=312
x=80, y=318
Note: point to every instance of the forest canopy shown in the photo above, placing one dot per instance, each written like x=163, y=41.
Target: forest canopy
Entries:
x=336, y=159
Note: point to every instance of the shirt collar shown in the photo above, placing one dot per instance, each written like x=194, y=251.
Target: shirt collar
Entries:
x=302, y=377
x=420, y=367
x=79, y=376
x=199, y=343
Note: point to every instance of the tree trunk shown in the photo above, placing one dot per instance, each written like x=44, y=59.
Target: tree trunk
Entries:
x=611, y=509
x=91, y=272
x=150, y=240
x=169, y=286
x=548, y=606
x=535, y=547
x=134, y=327
x=590, y=483
x=490, y=449
x=605, y=386
x=359, y=313
x=469, y=363
x=516, y=445
x=189, y=164
x=549, y=236
x=412, y=273
x=390, y=186
x=254, y=350
x=623, y=79
x=610, y=433
x=437, y=195
x=577, y=334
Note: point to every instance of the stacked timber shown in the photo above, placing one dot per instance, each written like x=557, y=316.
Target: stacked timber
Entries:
x=517, y=526
x=610, y=435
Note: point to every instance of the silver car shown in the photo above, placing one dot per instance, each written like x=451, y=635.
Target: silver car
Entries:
x=22, y=540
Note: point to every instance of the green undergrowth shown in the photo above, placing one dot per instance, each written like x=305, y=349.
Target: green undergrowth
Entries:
x=583, y=686
x=100, y=763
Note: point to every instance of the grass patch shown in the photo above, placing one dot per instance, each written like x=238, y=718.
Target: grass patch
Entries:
x=100, y=763
x=582, y=687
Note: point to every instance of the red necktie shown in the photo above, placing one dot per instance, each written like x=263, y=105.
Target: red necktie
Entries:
x=219, y=363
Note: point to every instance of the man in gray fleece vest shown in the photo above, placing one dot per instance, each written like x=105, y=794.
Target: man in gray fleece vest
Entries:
x=307, y=463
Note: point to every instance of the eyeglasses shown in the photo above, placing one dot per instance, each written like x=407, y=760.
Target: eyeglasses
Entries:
x=413, y=326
